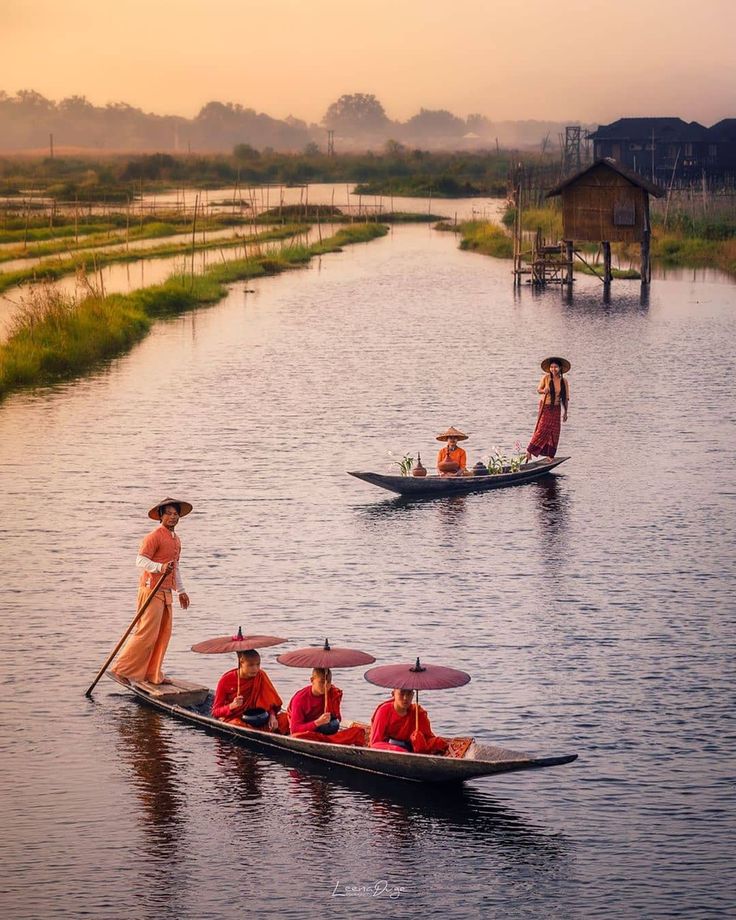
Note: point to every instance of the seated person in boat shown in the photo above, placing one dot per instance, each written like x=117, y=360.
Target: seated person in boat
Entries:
x=245, y=696
x=395, y=727
x=310, y=720
x=452, y=454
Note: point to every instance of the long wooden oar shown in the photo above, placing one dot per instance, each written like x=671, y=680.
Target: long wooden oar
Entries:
x=127, y=633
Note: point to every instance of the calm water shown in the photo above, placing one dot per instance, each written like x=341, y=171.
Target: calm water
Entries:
x=594, y=611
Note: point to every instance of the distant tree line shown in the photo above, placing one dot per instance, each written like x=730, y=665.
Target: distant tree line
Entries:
x=358, y=120
x=396, y=169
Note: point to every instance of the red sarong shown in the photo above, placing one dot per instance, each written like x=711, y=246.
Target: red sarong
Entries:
x=547, y=433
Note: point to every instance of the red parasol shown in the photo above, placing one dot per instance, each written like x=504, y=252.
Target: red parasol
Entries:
x=416, y=677
x=325, y=657
x=239, y=643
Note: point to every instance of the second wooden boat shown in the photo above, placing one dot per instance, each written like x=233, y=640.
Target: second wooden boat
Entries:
x=458, y=485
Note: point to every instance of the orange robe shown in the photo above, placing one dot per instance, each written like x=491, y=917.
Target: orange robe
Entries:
x=142, y=655
x=387, y=723
x=458, y=455
x=258, y=693
x=306, y=706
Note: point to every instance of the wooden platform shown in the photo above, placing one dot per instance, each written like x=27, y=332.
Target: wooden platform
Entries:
x=176, y=692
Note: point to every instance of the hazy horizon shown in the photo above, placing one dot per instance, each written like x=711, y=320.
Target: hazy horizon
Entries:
x=292, y=58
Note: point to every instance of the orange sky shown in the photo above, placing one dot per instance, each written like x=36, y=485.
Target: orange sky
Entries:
x=583, y=60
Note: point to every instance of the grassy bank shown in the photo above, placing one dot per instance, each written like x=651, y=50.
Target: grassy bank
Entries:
x=93, y=262
x=35, y=228
x=482, y=236
x=55, y=337
x=674, y=248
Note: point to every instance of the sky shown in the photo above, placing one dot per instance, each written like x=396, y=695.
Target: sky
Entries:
x=579, y=60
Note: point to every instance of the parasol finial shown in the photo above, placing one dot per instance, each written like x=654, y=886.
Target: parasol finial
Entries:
x=326, y=646
x=240, y=632
x=417, y=668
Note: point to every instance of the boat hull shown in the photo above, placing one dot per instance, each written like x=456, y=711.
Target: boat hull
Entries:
x=424, y=486
x=479, y=759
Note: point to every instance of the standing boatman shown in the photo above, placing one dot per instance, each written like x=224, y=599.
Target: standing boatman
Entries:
x=143, y=653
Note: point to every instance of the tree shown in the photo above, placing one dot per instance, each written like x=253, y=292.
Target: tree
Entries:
x=435, y=123
x=244, y=153
x=356, y=113
x=393, y=148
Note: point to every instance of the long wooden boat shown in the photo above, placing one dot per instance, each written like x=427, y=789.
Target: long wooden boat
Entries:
x=192, y=703
x=458, y=485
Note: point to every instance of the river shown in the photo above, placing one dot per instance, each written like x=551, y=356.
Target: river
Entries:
x=594, y=611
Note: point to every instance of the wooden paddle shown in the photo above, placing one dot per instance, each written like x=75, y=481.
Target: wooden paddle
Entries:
x=127, y=632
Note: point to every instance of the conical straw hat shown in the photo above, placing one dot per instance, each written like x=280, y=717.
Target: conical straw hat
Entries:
x=452, y=432
x=185, y=508
x=563, y=362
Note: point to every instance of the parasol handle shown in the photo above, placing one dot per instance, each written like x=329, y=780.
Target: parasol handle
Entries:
x=416, y=713
x=127, y=632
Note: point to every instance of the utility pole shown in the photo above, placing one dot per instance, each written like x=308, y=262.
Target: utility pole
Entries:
x=330, y=143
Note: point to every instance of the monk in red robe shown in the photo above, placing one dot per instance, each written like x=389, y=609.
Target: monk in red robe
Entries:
x=396, y=720
x=307, y=712
x=248, y=687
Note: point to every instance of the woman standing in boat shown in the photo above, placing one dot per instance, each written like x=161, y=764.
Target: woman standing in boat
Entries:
x=555, y=398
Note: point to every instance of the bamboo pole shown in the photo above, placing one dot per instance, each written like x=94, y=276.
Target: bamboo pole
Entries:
x=127, y=632
x=194, y=232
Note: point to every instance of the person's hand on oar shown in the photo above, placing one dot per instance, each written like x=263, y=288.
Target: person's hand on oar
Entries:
x=324, y=719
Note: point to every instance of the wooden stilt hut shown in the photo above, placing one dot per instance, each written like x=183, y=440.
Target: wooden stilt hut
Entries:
x=606, y=203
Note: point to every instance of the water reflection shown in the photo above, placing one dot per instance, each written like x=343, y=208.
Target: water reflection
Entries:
x=239, y=772
x=409, y=813
x=318, y=793
x=145, y=748
x=553, y=506
x=608, y=300
x=451, y=507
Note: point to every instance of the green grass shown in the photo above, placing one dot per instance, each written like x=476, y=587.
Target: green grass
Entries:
x=151, y=230
x=92, y=262
x=676, y=249
x=55, y=337
x=482, y=236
